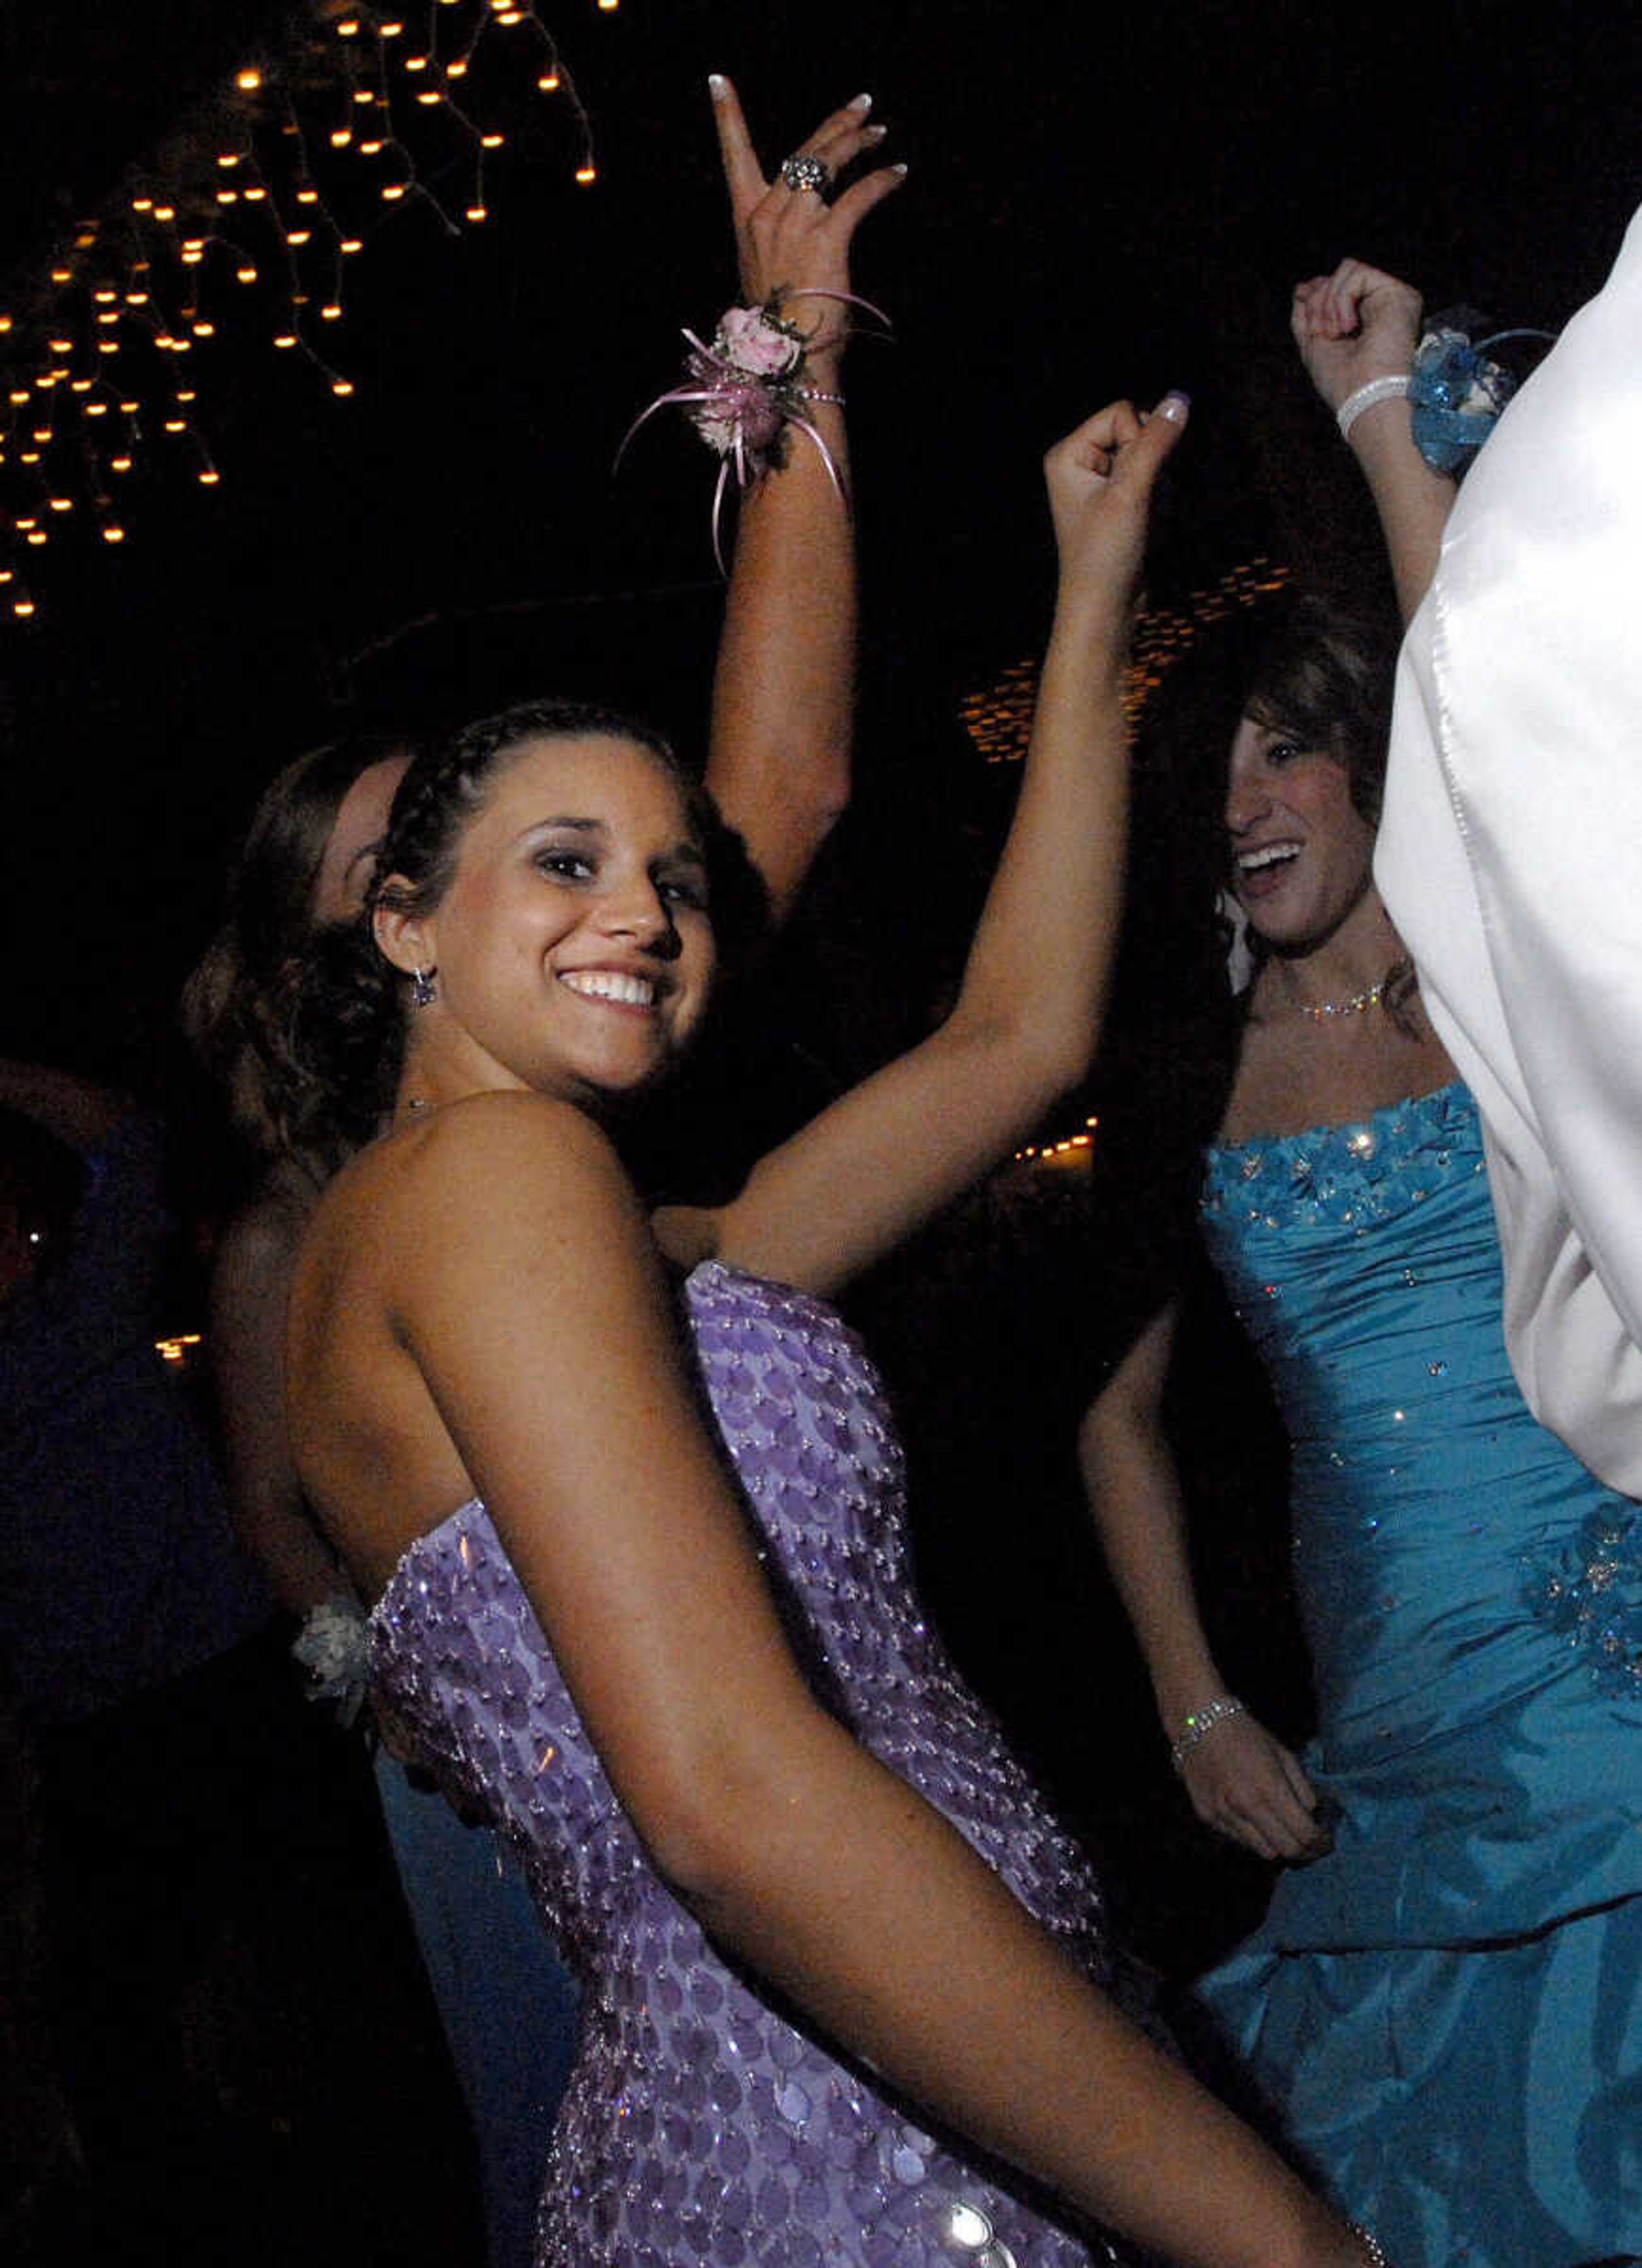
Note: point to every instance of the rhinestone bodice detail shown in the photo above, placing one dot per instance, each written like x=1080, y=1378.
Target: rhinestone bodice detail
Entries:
x=1433, y=1518
x=702, y=2124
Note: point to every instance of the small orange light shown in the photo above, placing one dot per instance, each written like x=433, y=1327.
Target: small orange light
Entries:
x=209, y=477
x=113, y=534
x=248, y=81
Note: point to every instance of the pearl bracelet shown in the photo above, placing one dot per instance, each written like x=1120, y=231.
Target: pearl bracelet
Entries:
x=1373, y=2251
x=1377, y=389
x=1197, y=1725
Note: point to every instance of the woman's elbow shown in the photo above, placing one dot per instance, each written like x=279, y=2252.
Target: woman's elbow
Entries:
x=715, y=1822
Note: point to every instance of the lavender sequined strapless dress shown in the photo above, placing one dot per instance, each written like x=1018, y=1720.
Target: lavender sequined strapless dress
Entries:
x=702, y=2127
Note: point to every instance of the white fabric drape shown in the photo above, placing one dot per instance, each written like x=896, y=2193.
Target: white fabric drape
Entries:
x=1509, y=857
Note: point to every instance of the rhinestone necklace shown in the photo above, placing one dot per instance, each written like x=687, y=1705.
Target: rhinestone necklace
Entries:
x=1358, y=1004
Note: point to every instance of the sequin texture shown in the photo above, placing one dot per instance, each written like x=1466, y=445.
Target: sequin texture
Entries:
x=702, y=2124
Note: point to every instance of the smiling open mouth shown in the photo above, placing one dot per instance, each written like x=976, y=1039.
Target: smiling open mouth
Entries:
x=1268, y=858
x=610, y=985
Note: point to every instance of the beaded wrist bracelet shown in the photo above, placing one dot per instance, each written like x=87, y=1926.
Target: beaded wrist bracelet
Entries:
x=1377, y=389
x=1197, y=1725
x=1373, y=2251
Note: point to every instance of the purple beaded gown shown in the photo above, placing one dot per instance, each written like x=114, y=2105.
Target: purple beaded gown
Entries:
x=704, y=2124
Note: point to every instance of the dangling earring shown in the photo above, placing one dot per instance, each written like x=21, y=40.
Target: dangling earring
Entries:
x=421, y=988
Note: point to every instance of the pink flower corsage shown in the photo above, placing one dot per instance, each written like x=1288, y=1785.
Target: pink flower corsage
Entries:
x=743, y=392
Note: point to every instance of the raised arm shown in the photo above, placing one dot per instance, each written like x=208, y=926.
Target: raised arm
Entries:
x=784, y=694
x=1239, y=1778
x=1351, y=327
x=78, y=1113
x=541, y=1328
x=869, y=1170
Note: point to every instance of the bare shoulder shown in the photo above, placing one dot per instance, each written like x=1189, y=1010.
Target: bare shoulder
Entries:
x=262, y=1237
x=551, y=1144
x=463, y=1158
x=490, y=1185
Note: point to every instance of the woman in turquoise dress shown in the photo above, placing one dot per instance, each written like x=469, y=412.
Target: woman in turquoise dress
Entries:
x=1442, y=2010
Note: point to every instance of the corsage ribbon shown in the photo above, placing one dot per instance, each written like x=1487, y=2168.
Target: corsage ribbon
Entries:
x=744, y=391
x=1456, y=392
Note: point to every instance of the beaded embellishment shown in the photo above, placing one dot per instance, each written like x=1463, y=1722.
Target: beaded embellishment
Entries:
x=1593, y=1601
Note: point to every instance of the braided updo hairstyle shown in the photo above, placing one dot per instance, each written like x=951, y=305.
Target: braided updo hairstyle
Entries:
x=348, y=1026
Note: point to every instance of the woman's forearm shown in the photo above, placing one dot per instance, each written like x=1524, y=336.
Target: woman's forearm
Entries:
x=783, y=692
x=855, y=1897
x=1412, y=500
x=1134, y=1496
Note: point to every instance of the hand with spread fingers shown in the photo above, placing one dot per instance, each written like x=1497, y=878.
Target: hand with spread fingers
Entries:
x=790, y=238
x=1354, y=326
x=1244, y=1782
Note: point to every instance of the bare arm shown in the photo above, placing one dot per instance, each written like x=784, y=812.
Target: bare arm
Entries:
x=802, y=1854
x=250, y=1282
x=869, y=1170
x=784, y=694
x=1239, y=1778
x=78, y=1113
x=1354, y=326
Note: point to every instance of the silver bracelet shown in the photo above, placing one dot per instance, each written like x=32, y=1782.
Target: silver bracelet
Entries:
x=1197, y=1724
x=814, y=394
x=1373, y=2250
x=1377, y=389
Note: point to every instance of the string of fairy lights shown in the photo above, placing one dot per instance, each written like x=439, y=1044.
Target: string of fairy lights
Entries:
x=997, y=717
x=244, y=227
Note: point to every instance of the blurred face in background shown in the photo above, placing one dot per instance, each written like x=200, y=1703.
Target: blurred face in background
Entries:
x=349, y=856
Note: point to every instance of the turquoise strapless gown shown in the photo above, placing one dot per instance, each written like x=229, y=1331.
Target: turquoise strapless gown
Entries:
x=1445, y=2014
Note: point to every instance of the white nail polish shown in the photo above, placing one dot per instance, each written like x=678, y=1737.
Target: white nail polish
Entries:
x=716, y=84
x=861, y=102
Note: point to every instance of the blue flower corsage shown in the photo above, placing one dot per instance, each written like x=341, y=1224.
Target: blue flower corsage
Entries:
x=1456, y=392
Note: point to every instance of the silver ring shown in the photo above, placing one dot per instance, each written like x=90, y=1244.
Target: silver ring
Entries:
x=806, y=173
